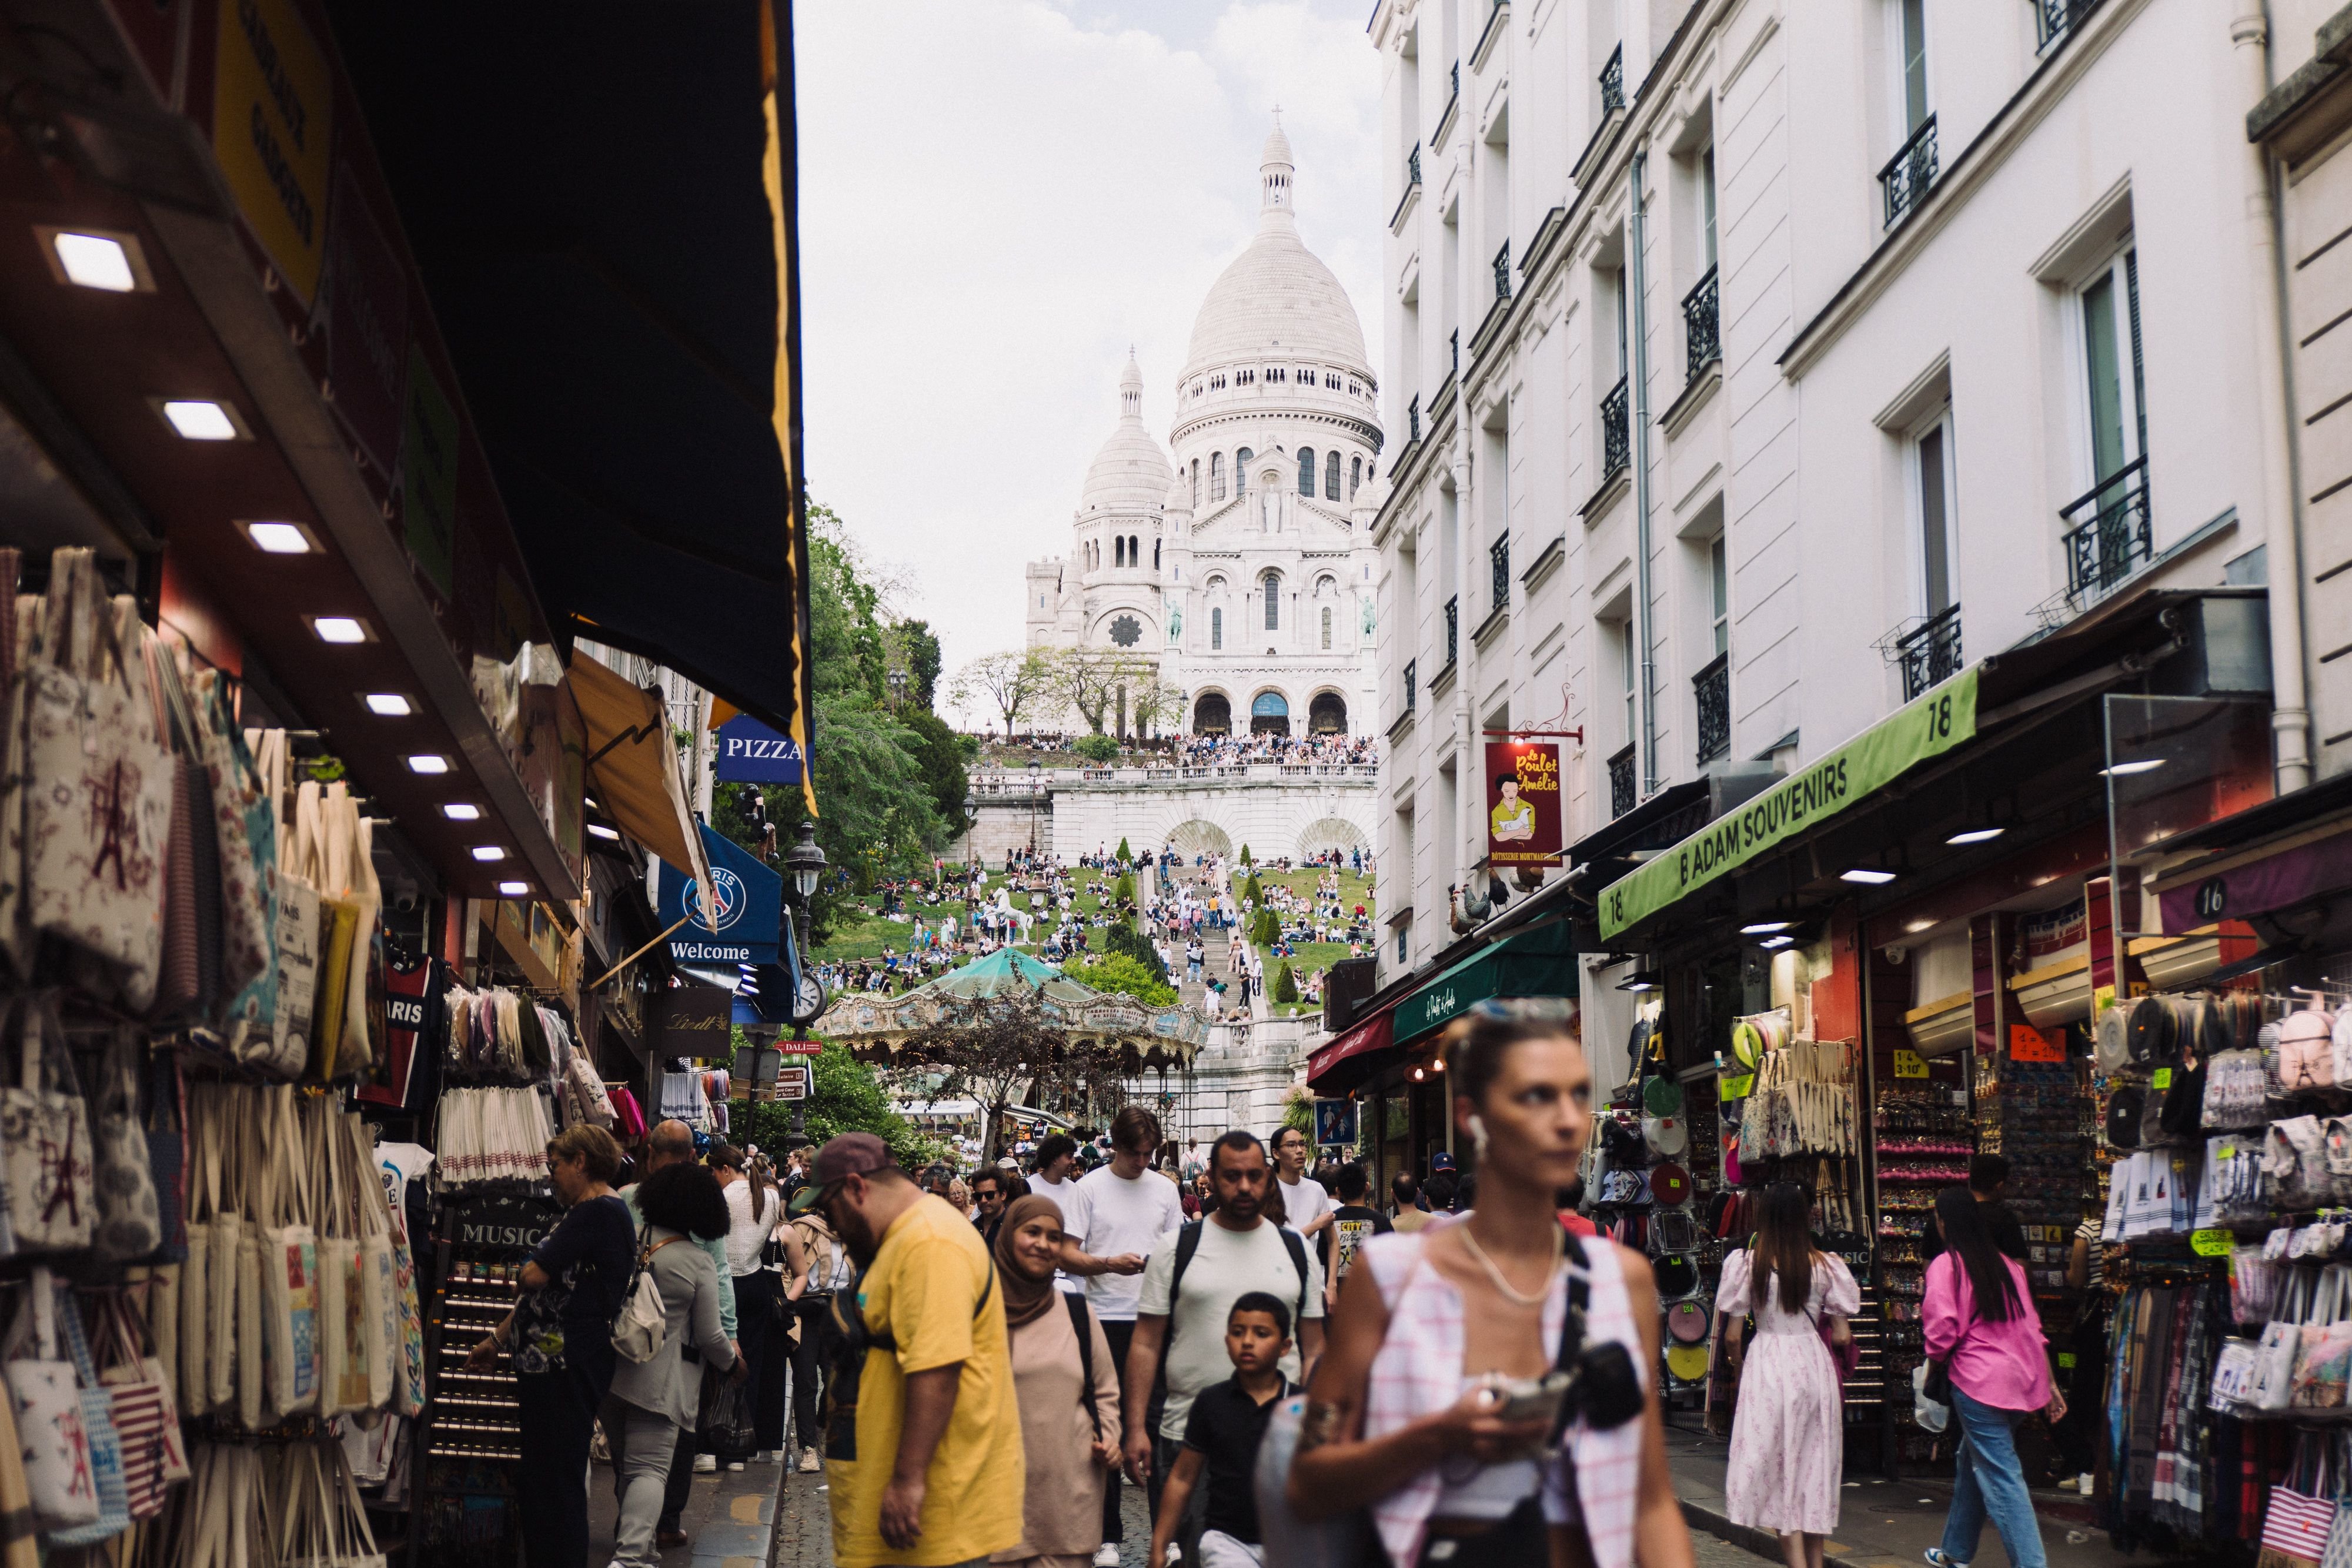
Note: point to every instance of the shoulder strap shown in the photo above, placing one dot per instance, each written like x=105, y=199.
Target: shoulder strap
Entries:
x=1188, y=1242
x=1297, y=1247
x=1082, y=1324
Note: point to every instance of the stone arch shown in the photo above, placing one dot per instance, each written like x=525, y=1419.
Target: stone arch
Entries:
x=1270, y=712
x=1213, y=714
x=1330, y=833
x=1197, y=836
x=1327, y=714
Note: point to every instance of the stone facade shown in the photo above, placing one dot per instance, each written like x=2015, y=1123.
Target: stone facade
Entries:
x=1276, y=809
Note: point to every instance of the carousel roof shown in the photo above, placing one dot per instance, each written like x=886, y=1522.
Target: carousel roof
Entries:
x=1160, y=1037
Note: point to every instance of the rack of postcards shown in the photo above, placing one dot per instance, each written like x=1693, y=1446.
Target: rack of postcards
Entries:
x=1922, y=1139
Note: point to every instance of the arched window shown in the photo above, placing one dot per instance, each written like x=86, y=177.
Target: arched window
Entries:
x=1119, y=550
x=1134, y=550
x=1273, y=601
x=1307, y=471
x=1216, y=476
x=1355, y=475
x=1240, y=471
x=1196, y=482
x=1326, y=626
x=1332, y=477
x=1155, y=555
x=1216, y=630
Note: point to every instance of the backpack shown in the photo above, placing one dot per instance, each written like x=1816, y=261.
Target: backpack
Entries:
x=644, y=1322
x=1188, y=1242
x=820, y=1240
x=1082, y=1324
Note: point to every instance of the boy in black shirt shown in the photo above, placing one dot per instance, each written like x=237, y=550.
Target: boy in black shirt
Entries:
x=1228, y=1423
x=1352, y=1225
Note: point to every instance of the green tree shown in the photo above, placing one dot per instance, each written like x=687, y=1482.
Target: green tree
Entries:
x=1299, y=1111
x=1285, y=987
x=1245, y=854
x=844, y=1096
x=1123, y=938
x=917, y=647
x=1264, y=930
x=939, y=751
x=1254, y=890
x=1122, y=973
x=1126, y=855
x=1098, y=749
x=1123, y=890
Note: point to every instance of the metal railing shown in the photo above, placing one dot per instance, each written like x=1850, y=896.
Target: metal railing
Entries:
x=1910, y=172
x=1930, y=652
x=1620, y=782
x=2107, y=535
x=1452, y=629
x=1412, y=166
x=1410, y=691
x=1613, y=81
x=1701, y=336
x=2056, y=19
x=1499, y=561
x=1503, y=271
x=1412, y=420
x=1453, y=346
x=1712, y=686
x=1616, y=432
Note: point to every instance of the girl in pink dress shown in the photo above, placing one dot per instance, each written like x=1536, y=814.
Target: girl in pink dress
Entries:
x=1788, y=1438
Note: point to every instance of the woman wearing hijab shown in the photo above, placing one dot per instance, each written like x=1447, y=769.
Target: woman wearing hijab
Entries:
x=1068, y=1394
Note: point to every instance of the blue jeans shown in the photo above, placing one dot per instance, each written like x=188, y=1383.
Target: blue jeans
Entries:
x=1988, y=1479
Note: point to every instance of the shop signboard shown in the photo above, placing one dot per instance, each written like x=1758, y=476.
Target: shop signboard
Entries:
x=273, y=132
x=2259, y=886
x=746, y=924
x=699, y=1021
x=1927, y=726
x=1335, y=1123
x=800, y=1047
x=1523, y=818
x=751, y=753
x=792, y=1082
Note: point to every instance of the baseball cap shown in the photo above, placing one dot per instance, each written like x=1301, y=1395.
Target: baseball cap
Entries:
x=851, y=1154
x=1440, y=1162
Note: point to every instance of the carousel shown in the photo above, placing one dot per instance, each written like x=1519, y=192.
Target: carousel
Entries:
x=878, y=1029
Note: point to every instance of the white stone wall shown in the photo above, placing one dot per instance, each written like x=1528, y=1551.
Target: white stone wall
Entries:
x=1243, y=1078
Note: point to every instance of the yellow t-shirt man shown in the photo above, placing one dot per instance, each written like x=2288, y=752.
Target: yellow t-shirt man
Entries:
x=924, y=1292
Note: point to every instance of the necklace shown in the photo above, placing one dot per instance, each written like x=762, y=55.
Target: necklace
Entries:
x=1478, y=1254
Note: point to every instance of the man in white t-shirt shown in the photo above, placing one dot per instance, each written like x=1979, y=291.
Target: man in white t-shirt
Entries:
x=1118, y=1214
x=1308, y=1205
x=1181, y=1315
x=1053, y=1173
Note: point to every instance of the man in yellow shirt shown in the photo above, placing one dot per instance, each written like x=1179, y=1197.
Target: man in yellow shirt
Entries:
x=932, y=1483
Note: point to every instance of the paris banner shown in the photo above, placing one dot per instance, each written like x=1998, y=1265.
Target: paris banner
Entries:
x=1523, y=823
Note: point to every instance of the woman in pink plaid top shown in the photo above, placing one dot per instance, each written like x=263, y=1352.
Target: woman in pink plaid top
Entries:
x=1406, y=1418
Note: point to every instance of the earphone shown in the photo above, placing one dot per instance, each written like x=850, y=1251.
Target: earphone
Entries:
x=1478, y=1136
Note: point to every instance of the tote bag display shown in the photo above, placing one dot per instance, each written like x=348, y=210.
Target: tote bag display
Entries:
x=324, y=1524
x=130, y=1220
x=105, y=1447
x=297, y=925
x=288, y=1253
x=380, y=1269
x=246, y=869
x=146, y=1417
x=2302, y=1509
x=352, y=865
x=44, y=1128
x=46, y=1404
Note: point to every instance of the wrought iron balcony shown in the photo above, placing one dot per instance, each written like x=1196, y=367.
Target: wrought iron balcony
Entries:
x=1452, y=629
x=1620, y=782
x=1616, y=432
x=1453, y=347
x=1412, y=165
x=2107, y=534
x=1910, y=172
x=1701, y=343
x=1503, y=271
x=2056, y=19
x=1499, y=561
x=1410, y=691
x=1712, y=686
x=1930, y=652
x=1613, y=81
x=1412, y=419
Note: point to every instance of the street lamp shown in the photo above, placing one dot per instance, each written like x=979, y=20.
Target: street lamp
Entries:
x=804, y=868
x=899, y=688
x=805, y=862
x=1034, y=781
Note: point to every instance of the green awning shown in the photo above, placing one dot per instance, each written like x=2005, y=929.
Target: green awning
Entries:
x=1540, y=963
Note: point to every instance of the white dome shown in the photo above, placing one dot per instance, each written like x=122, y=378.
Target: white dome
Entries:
x=1129, y=473
x=1275, y=298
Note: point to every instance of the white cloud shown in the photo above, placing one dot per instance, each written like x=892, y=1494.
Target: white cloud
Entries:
x=997, y=197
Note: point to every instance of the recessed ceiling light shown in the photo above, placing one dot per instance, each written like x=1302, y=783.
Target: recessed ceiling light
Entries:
x=462, y=812
x=602, y=832
x=2124, y=769
x=338, y=629
x=1766, y=927
x=201, y=419
x=388, y=705
x=280, y=539
x=427, y=762
x=1866, y=876
x=1976, y=836
x=95, y=261
x=489, y=853
x=514, y=890
x=1776, y=942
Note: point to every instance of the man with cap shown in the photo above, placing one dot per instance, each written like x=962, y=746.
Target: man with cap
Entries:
x=1438, y=1191
x=672, y=1143
x=930, y=1478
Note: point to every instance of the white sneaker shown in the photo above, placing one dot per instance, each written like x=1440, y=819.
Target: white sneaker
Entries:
x=2088, y=1484
x=1175, y=1553
x=734, y=1464
x=810, y=1464
x=1106, y=1555
x=706, y=1464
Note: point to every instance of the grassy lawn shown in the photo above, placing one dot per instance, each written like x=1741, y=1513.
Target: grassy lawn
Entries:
x=865, y=938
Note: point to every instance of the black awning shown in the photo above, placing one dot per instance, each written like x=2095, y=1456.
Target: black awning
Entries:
x=582, y=185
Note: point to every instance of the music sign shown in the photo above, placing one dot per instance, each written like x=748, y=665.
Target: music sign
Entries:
x=1523, y=825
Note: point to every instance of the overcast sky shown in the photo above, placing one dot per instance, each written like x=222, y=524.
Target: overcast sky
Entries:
x=997, y=197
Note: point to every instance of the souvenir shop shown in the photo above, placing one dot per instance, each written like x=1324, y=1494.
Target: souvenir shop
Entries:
x=1874, y=985
x=323, y=835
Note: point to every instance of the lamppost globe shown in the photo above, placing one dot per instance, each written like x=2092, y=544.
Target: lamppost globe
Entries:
x=806, y=862
x=897, y=686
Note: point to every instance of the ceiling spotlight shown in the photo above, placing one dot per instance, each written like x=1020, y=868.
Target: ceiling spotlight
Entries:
x=514, y=890
x=95, y=261
x=1766, y=927
x=201, y=419
x=602, y=832
x=428, y=762
x=280, y=539
x=2124, y=769
x=489, y=853
x=1866, y=876
x=1778, y=942
x=338, y=629
x=462, y=812
x=388, y=705
x=1976, y=836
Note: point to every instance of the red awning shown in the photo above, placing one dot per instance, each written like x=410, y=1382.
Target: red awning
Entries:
x=1373, y=1034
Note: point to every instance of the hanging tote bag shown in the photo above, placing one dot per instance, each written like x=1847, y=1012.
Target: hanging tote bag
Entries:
x=46, y=1406
x=343, y=1305
x=94, y=830
x=246, y=872
x=289, y=1283
x=44, y=1128
x=408, y=1352
x=167, y=1154
x=297, y=919
x=130, y=1220
x=348, y=828
x=325, y=1525
x=195, y=1272
x=146, y=1418
x=2323, y=1355
x=105, y=1447
x=2302, y=1509
x=379, y=1268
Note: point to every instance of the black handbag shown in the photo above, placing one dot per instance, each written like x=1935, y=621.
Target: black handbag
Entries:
x=1937, y=1389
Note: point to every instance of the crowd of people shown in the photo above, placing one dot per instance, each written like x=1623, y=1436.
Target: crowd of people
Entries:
x=1227, y=750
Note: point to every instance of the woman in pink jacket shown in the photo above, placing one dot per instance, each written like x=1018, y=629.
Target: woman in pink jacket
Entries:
x=1979, y=1321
